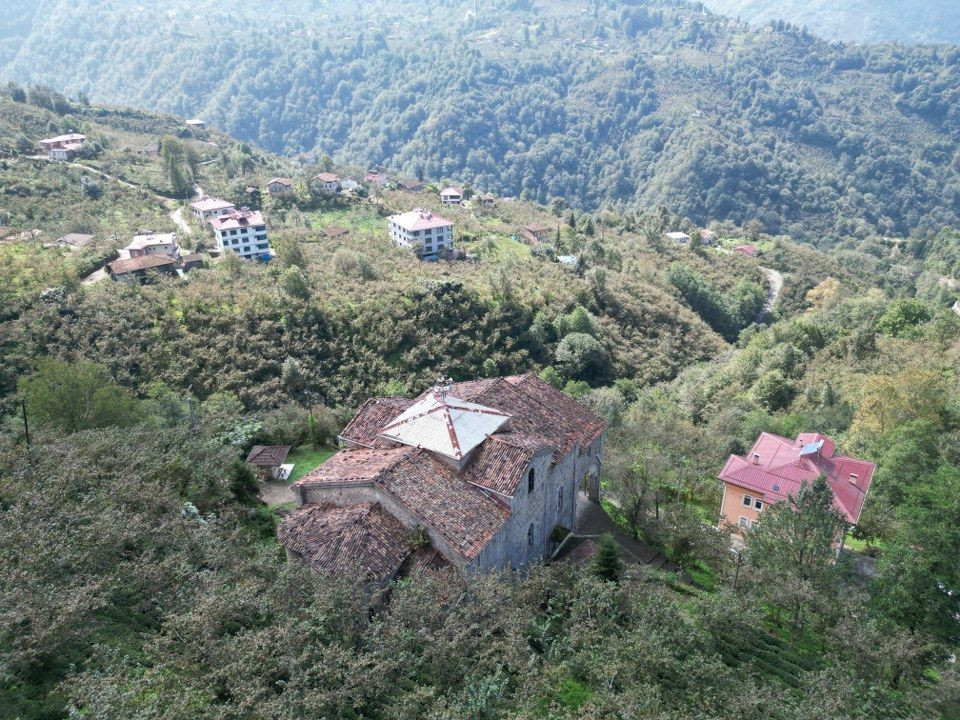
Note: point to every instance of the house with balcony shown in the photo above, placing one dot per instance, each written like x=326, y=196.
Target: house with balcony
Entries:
x=329, y=183
x=776, y=467
x=451, y=195
x=151, y=242
x=280, y=186
x=424, y=232
x=486, y=473
x=242, y=232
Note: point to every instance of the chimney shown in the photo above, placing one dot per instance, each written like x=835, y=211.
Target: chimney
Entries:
x=756, y=459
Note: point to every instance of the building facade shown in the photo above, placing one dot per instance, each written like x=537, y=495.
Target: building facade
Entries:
x=489, y=471
x=428, y=234
x=451, y=195
x=242, y=232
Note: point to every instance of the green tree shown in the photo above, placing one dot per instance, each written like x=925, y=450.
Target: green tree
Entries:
x=790, y=549
x=581, y=356
x=606, y=563
x=76, y=396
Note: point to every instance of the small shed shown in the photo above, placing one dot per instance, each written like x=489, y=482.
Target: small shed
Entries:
x=268, y=458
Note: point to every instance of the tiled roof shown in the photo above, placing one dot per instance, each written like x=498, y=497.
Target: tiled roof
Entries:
x=464, y=506
x=354, y=466
x=452, y=190
x=281, y=181
x=437, y=494
x=146, y=262
x=777, y=467
x=365, y=427
x=327, y=177
x=339, y=539
x=268, y=455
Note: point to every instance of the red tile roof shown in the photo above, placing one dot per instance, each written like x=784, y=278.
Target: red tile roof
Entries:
x=466, y=506
x=341, y=539
x=777, y=467
x=237, y=219
x=749, y=250
x=268, y=455
x=419, y=220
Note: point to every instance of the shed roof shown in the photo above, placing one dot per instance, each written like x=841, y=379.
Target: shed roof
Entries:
x=145, y=262
x=268, y=455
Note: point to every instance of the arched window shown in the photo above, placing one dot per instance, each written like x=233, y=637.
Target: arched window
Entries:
x=530, y=535
x=560, y=499
x=530, y=481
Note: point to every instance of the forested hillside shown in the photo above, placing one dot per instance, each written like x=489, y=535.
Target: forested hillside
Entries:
x=928, y=21
x=628, y=104
x=140, y=574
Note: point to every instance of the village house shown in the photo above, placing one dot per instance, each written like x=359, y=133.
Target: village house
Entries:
x=680, y=238
x=268, y=459
x=63, y=148
x=210, y=207
x=535, y=233
x=132, y=269
x=487, y=472
x=747, y=250
x=423, y=231
x=196, y=124
x=150, y=242
x=329, y=183
x=243, y=232
x=708, y=236
x=776, y=467
x=451, y=195
x=488, y=199
x=280, y=186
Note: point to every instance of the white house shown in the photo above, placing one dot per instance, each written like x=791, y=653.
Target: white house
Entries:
x=680, y=238
x=423, y=231
x=242, y=232
x=329, y=183
x=148, y=242
x=451, y=195
x=196, y=124
x=62, y=148
x=210, y=207
x=280, y=186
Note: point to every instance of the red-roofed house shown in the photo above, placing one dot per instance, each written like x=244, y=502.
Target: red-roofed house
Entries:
x=486, y=469
x=63, y=147
x=776, y=467
x=423, y=231
x=280, y=186
x=748, y=250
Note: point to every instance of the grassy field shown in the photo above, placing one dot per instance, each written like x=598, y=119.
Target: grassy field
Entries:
x=306, y=459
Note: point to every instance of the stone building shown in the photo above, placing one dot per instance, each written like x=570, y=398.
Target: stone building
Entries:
x=487, y=472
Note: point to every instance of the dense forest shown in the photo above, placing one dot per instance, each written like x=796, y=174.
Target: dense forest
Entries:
x=862, y=21
x=619, y=104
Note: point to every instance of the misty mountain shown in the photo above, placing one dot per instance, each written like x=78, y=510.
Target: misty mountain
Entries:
x=919, y=21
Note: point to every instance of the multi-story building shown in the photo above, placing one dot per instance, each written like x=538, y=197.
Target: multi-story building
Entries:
x=423, y=231
x=242, y=232
x=329, y=183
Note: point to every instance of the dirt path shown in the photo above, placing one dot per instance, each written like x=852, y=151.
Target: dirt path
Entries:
x=774, y=286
